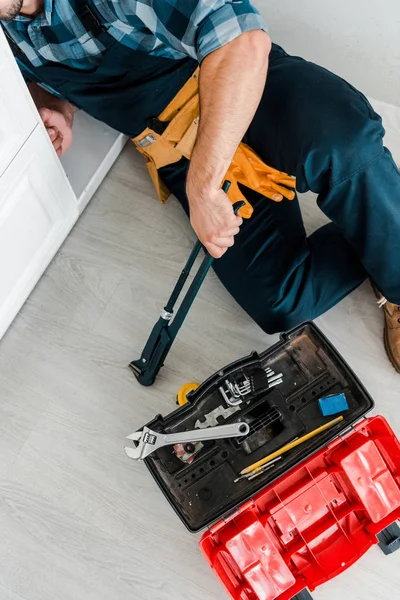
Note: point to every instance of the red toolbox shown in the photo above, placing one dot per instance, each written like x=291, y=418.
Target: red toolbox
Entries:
x=319, y=508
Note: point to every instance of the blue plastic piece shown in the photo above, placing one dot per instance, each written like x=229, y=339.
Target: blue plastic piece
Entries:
x=332, y=405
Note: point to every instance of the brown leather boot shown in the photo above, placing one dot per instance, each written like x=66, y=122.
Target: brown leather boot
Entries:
x=392, y=329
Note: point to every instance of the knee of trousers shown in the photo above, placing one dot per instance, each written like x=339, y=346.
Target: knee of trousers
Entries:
x=349, y=141
x=279, y=322
x=278, y=315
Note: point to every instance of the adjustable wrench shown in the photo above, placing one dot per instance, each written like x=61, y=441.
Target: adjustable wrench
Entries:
x=147, y=441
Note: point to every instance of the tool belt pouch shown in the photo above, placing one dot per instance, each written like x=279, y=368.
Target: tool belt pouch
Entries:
x=180, y=119
x=162, y=190
x=158, y=153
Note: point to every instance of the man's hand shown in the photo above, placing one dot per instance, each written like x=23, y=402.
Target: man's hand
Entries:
x=59, y=128
x=57, y=116
x=213, y=220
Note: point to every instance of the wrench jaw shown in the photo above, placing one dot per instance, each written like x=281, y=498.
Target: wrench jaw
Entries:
x=138, y=451
x=136, y=367
x=145, y=442
x=133, y=453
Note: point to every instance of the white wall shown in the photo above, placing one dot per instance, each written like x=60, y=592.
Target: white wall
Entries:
x=357, y=39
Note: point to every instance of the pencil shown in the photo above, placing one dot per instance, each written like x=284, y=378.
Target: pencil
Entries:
x=288, y=447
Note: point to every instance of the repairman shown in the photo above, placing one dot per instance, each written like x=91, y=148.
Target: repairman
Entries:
x=125, y=62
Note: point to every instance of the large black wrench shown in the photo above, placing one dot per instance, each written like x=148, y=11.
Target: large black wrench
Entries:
x=164, y=332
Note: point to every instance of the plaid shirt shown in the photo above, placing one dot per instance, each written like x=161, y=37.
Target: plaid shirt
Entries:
x=168, y=28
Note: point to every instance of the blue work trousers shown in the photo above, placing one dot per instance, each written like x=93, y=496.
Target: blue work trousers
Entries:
x=314, y=125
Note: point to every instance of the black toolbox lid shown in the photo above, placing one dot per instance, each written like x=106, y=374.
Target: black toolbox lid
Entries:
x=204, y=491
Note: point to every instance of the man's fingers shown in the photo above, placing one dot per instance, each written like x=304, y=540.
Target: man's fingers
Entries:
x=223, y=242
x=57, y=143
x=234, y=231
x=215, y=251
x=232, y=224
x=53, y=133
x=45, y=114
x=219, y=246
x=233, y=228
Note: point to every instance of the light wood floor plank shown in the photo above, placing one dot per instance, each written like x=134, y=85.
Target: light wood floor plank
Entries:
x=6, y=594
x=19, y=413
x=48, y=552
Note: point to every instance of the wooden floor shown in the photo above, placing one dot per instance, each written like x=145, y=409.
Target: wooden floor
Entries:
x=78, y=520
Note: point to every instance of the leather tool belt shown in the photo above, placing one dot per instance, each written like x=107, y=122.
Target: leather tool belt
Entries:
x=172, y=136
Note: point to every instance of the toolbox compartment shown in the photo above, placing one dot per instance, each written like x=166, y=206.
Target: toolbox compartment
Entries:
x=202, y=491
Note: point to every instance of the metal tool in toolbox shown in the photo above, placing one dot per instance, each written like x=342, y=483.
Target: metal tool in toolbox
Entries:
x=239, y=390
x=235, y=392
x=148, y=441
x=166, y=329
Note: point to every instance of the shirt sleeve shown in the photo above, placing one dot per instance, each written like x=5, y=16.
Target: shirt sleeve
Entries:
x=198, y=27
x=224, y=24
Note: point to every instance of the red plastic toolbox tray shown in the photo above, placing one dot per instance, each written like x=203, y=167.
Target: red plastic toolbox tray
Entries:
x=312, y=523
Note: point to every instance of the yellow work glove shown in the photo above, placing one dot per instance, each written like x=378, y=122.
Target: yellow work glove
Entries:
x=248, y=169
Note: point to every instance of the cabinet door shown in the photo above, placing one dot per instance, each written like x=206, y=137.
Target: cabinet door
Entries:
x=18, y=118
x=5, y=50
x=37, y=210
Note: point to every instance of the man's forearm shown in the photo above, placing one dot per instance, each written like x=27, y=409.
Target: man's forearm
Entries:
x=232, y=80
x=44, y=99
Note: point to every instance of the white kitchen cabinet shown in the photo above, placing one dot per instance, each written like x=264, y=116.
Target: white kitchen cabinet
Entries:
x=17, y=117
x=41, y=197
x=37, y=211
x=5, y=50
x=37, y=204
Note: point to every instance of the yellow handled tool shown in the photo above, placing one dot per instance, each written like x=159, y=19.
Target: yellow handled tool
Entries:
x=290, y=446
x=181, y=397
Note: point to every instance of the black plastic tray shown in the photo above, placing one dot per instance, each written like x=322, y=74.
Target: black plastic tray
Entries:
x=204, y=491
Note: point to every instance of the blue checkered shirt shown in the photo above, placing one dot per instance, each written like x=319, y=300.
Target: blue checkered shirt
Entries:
x=168, y=28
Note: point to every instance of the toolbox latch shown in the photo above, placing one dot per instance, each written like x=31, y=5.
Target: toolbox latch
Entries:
x=354, y=428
